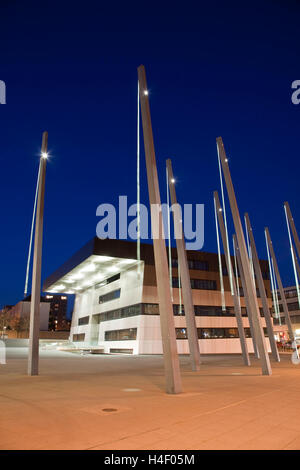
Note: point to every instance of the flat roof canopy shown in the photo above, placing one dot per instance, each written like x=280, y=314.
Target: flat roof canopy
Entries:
x=93, y=270
x=96, y=261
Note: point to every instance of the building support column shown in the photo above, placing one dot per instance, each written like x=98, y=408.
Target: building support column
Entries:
x=237, y=306
x=34, y=329
x=249, y=284
x=171, y=361
x=280, y=286
x=184, y=276
x=262, y=291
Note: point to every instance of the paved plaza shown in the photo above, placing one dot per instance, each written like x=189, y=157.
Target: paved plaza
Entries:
x=118, y=402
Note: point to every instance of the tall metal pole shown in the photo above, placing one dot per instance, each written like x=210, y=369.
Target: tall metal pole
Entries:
x=240, y=267
x=237, y=306
x=138, y=208
x=185, y=277
x=34, y=329
x=249, y=284
x=293, y=227
x=294, y=257
x=31, y=232
x=169, y=239
x=296, y=262
x=280, y=286
x=262, y=290
x=172, y=371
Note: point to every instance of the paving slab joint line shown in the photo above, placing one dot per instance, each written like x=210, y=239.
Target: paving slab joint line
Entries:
x=225, y=407
x=122, y=438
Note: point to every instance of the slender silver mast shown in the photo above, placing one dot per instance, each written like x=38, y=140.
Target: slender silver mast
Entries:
x=250, y=291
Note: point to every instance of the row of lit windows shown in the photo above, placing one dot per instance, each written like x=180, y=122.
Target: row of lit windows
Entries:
x=83, y=320
x=130, y=334
x=193, y=264
x=207, y=284
x=63, y=297
x=127, y=334
x=211, y=311
x=153, y=309
x=215, y=333
x=265, y=274
x=115, y=294
x=289, y=294
x=118, y=313
x=111, y=279
x=204, y=266
x=79, y=337
x=203, y=284
x=291, y=306
x=294, y=319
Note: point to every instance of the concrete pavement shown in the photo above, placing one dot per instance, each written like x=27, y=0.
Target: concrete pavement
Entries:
x=118, y=402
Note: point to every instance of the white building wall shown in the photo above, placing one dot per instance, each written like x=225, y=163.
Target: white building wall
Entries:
x=148, y=326
x=151, y=343
x=87, y=303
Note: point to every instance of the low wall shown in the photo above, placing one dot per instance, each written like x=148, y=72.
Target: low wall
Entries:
x=12, y=334
x=16, y=343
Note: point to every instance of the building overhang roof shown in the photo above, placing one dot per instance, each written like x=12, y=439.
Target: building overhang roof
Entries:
x=96, y=261
x=95, y=269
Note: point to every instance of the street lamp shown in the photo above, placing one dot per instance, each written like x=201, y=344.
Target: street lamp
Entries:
x=34, y=329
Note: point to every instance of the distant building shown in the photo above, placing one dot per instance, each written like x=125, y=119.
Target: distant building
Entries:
x=17, y=317
x=293, y=308
x=58, y=312
x=116, y=306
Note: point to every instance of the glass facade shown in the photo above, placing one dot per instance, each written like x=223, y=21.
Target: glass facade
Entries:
x=291, y=306
x=111, y=279
x=193, y=264
x=214, y=333
x=153, y=309
x=121, y=335
x=79, y=337
x=203, y=284
x=289, y=294
x=294, y=319
x=115, y=294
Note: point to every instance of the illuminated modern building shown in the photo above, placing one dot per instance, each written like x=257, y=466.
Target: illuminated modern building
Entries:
x=116, y=304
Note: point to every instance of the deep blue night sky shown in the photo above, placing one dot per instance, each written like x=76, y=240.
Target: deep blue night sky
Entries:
x=213, y=68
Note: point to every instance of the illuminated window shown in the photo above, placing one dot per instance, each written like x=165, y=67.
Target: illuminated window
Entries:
x=115, y=294
x=79, y=337
x=83, y=320
x=203, y=284
x=127, y=334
